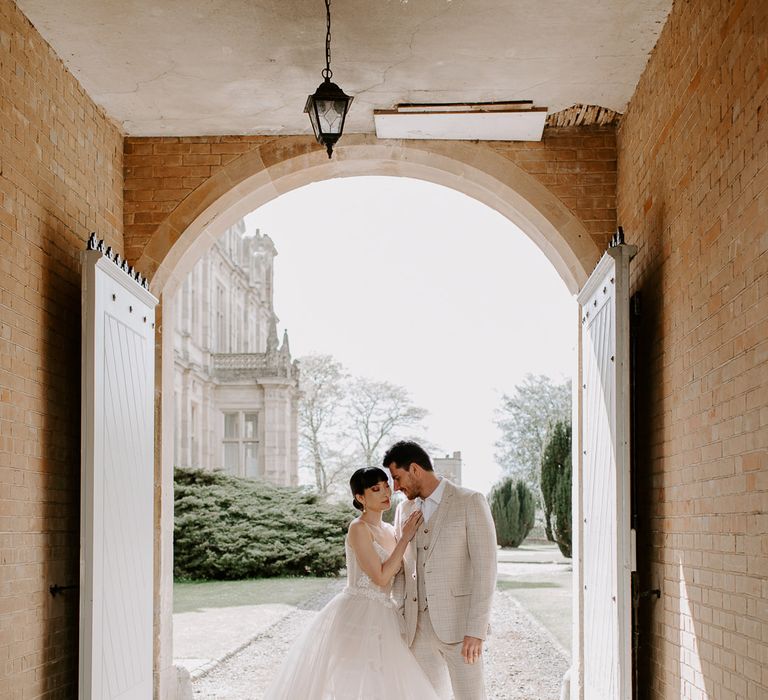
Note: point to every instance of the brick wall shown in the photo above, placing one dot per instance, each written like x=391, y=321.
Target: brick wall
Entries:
x=577, y=164
x=693, y=194
x=60, y=178
x=161, y=172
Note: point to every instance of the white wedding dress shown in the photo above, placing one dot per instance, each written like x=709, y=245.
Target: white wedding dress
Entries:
x=352, y=649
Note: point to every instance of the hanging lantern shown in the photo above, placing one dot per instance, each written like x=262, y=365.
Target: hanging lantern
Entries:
x=328, y=106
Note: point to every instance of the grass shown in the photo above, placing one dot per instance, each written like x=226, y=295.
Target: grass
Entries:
x=515, y=585
x=193, y=596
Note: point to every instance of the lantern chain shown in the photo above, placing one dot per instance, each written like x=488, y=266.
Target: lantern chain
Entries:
x=328, y=73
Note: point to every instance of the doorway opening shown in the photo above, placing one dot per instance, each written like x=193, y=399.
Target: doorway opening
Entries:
x=571, y=254
x=388, y=310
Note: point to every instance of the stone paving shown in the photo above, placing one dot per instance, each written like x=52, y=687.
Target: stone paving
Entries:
x=523, y=662
x=234, y=652
x=201, y=640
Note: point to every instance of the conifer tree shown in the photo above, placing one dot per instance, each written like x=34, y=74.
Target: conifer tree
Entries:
x=563, y=512
x=513, y=510
x=556, y=485
x=557, y=450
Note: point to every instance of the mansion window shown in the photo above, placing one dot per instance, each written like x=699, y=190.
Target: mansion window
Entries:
x=220, y=342
x=241, y=443
x=194, y=431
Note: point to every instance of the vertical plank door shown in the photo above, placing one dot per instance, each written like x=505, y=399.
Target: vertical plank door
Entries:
x=117, y=474
x=603, y=529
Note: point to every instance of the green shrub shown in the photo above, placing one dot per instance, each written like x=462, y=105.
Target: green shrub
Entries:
x=513, y=510
x=557, y=449
x=505, y=509
x=548, y=483
x=527, y=502
x=556, y=485
x=227, y=527
x=562, y=515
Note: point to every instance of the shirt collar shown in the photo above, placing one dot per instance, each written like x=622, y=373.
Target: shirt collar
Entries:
x=437, y=495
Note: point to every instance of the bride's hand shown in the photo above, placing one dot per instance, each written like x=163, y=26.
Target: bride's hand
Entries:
x=411, y=525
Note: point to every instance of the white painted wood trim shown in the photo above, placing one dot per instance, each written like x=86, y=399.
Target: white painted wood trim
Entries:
x=622, y=255
x=577, y=654
x=118, y=315
x=613, y=271
x=510, y=125
x=90, y=445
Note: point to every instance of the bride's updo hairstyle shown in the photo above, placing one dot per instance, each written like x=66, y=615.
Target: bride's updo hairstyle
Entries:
x=363, y=479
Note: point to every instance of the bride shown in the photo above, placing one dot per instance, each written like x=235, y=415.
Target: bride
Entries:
x=353, y=650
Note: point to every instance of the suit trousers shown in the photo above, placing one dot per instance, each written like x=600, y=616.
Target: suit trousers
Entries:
x=444, y=665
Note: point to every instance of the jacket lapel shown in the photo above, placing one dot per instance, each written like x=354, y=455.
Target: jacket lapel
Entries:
x=406, y=508
x=439, y=516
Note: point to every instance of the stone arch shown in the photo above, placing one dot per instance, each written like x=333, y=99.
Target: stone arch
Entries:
x=279, y=166
x=287, y=163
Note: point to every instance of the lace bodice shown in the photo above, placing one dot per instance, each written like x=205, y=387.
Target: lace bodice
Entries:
x=359, y=583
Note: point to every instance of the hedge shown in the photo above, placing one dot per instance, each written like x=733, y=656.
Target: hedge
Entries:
x=227, y=527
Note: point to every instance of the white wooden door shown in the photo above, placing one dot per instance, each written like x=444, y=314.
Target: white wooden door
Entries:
x=117, y=474
x=605, y=550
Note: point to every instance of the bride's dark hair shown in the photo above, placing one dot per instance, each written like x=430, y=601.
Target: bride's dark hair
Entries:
x=363, y=479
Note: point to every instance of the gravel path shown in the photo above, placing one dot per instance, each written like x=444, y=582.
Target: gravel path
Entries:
x=522, y=660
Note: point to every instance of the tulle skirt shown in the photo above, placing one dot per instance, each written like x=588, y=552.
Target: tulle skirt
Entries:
x=352, y=650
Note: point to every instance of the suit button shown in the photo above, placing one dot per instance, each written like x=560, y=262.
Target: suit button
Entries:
x=415, y=599
x=426, y=532
x=426, y=546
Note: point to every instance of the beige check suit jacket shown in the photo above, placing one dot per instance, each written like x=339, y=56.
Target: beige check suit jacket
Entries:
x=459, y=567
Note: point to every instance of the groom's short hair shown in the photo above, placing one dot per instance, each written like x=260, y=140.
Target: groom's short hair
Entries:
x=405, y=453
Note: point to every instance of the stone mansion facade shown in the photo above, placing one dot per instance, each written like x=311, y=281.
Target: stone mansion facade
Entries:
x=449, y=467
x=236, y=387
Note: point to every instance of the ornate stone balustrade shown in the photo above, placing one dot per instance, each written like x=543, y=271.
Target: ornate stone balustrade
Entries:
x=252, y=365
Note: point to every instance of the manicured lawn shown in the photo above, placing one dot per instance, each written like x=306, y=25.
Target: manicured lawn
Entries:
x=517, y=585
x=188, y=597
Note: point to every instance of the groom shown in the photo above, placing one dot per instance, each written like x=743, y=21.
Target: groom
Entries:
x=449, y=573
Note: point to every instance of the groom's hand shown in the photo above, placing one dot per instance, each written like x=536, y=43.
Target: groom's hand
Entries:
x=471, y=649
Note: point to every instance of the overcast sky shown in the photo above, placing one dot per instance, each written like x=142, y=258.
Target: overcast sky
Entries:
x=420, y=285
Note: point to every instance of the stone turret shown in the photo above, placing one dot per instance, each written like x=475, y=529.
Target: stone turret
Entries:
x=272, y=342
x=285, y=348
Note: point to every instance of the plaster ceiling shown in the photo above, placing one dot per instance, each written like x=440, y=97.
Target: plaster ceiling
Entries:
x=194, y=67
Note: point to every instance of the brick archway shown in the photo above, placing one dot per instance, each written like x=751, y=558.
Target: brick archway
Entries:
x=278, y=165
x=169, y=246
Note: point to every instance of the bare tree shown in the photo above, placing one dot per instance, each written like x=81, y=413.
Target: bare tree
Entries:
x=379, y=412
x=344, y=423
x=524, y=419
x=323, y=388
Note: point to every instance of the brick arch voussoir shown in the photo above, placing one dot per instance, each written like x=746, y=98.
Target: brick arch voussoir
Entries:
x=286, y=163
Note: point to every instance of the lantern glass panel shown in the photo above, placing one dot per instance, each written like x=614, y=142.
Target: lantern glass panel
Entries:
x=331, y=115
x=310, y=109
